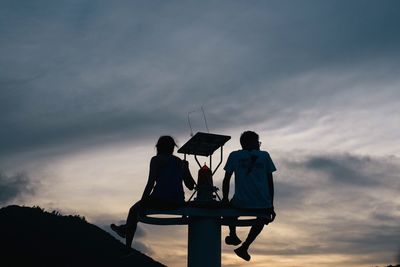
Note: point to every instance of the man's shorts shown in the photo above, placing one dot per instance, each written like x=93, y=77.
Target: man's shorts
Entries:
x=267, y=211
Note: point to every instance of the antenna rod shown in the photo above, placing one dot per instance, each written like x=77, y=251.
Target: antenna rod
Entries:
x=205, y=120
x=190, y=125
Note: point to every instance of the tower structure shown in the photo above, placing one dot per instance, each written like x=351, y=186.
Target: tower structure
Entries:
x=204, y=213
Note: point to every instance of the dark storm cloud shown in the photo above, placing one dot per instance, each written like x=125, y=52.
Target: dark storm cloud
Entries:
x=13, y=186
x=72, y=71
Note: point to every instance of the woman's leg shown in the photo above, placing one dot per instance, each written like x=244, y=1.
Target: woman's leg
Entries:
x=131, y=223
x=119, y=229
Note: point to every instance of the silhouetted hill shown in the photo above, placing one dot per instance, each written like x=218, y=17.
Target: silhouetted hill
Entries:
x=33, y=237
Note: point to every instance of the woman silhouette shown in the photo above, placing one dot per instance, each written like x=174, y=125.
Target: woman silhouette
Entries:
x=163, y=189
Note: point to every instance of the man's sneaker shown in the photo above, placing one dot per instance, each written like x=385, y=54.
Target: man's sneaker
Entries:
x=118, y=229
x=232, y=240
x=242, y=253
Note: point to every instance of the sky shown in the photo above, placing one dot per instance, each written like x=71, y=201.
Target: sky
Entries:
x=87, y=87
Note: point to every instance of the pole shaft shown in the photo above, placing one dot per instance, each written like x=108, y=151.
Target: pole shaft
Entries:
x=204, y=242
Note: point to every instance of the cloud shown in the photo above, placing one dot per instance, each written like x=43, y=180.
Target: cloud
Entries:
x=343, y=204
x=348, y=169
x=319, y=213
x=398, y=257
x=97, y=69
x=312, y=77
x=13, y=186
x=142, y=247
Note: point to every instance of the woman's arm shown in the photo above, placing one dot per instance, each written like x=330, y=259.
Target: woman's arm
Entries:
x=151, y=180
x=187, y=176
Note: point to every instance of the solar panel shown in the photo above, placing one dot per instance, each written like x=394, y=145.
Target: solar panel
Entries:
x=203, y=144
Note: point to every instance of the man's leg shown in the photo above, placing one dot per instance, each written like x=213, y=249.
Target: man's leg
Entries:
x=232, y=238
x=254, y=232
x=232, y=230
x=131, y=224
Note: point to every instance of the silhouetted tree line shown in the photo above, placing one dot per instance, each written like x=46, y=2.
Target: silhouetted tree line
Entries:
x=58, y=213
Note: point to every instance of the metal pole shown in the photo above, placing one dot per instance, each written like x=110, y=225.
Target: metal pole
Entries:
x=220, y=161
x=204, y=242
x=204, y=235
x=198, y=163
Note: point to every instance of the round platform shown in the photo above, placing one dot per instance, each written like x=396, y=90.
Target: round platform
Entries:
x=181, y=216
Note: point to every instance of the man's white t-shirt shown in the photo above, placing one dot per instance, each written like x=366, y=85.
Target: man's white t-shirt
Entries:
x=251, y=185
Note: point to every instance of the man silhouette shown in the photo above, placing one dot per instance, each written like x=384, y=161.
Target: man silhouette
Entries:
x=254, y=187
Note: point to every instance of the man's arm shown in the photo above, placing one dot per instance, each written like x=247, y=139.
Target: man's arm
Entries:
x=271, y=191
x=271, y=187
x=225, y=186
